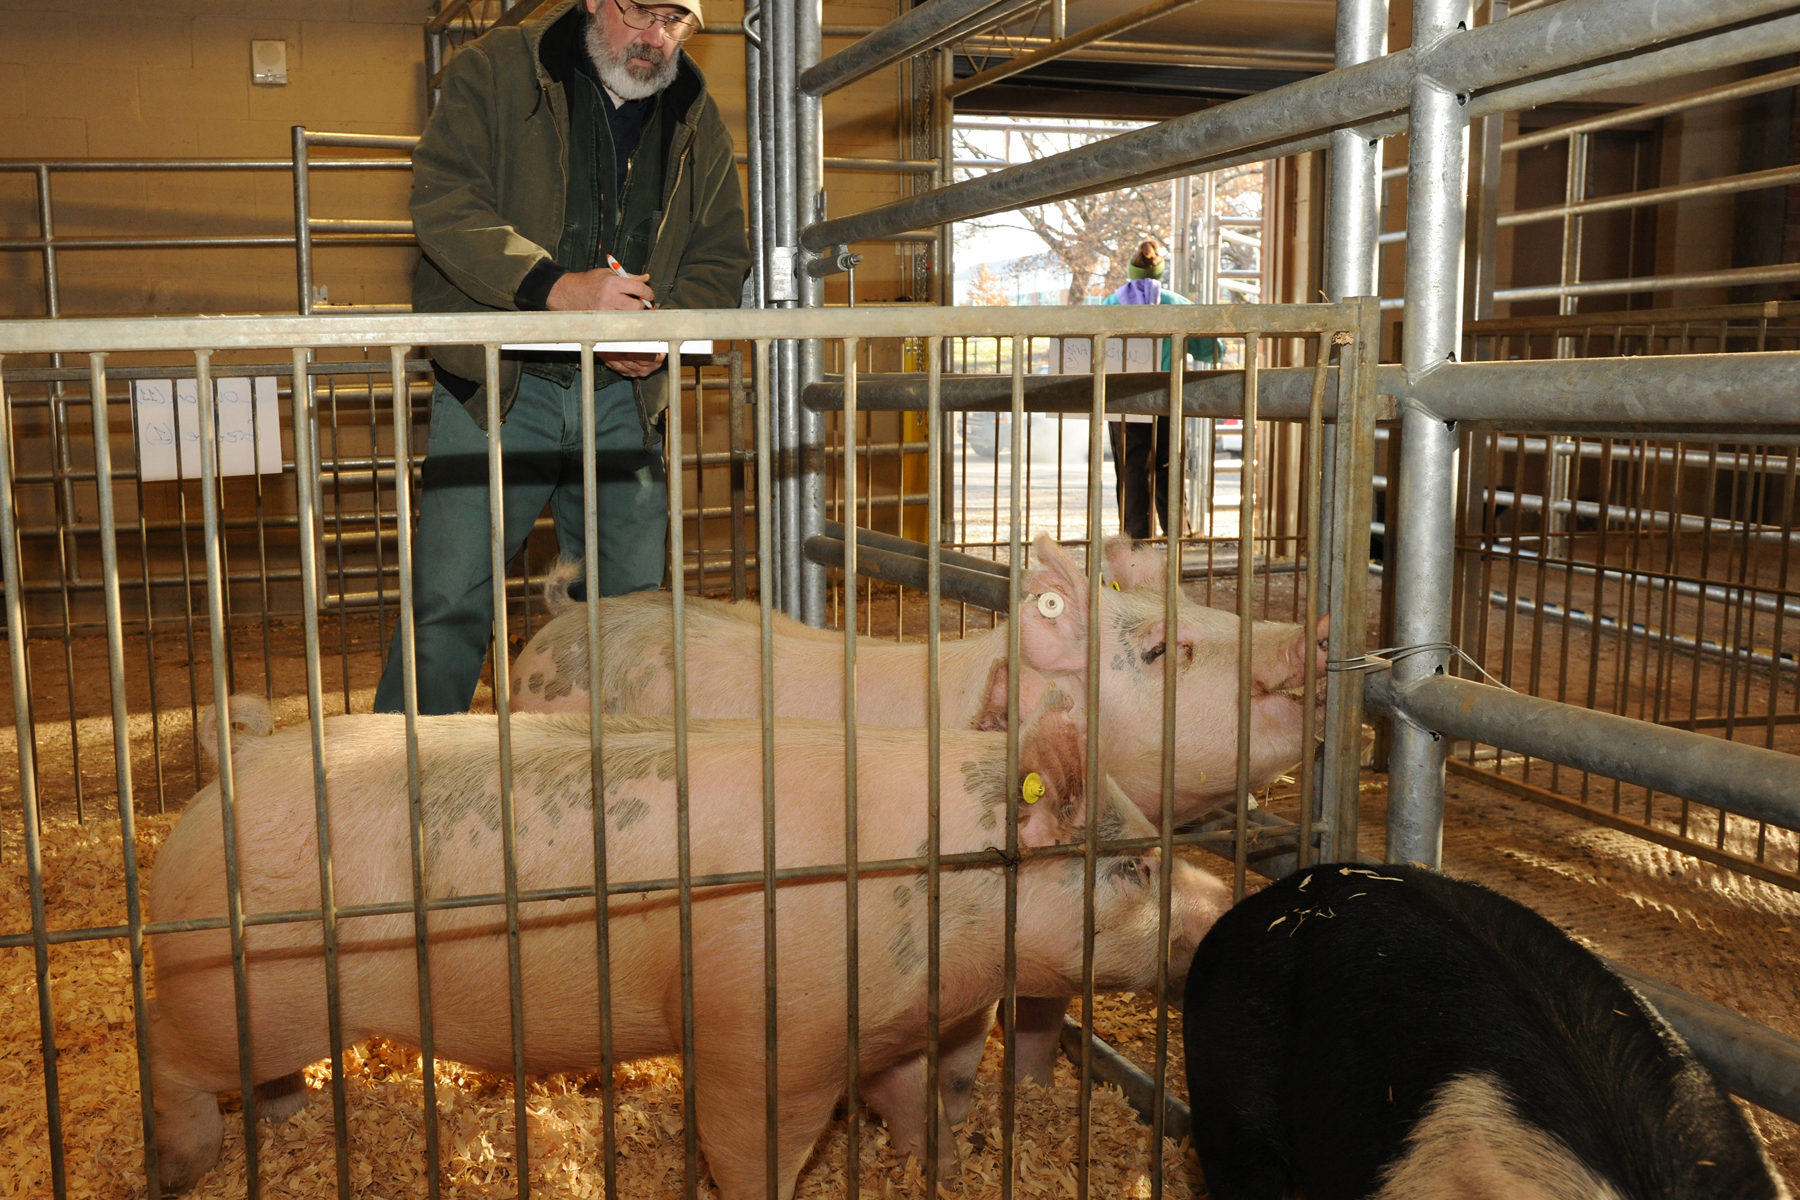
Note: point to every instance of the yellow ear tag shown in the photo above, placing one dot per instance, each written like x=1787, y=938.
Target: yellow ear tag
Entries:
x=1113, y=584
x=1033, y=788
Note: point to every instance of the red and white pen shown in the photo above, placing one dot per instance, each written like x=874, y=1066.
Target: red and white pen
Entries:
x=621, y=272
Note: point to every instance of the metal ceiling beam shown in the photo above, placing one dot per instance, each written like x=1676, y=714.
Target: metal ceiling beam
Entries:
x=1538, y=44
x=932, y=24
x=1058, y=49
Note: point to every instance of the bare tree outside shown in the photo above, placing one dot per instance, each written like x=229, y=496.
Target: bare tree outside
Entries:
x=1090, y=237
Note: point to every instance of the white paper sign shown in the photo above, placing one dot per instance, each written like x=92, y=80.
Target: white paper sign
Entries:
x=1133, y=354
x=247, y=422
x=1077, y=356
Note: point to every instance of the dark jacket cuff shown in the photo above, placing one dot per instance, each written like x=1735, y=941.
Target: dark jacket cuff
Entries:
x=533, y=294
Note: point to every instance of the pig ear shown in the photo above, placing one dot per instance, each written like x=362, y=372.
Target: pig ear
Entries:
x=1134, y=567
x=1053, y=781
x=1053, y=624
x=1036, y=694
x=992, y=716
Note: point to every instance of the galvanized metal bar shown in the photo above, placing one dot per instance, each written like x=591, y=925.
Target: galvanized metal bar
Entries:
x=87, y=334
x=1147, y=53
x=1062, y=45
x=47, y=226
x=1733, y=776
x=509, y=825
x=1090, y=842
x=301, y=399
x=302, y=223
x=227, y=780
x=917, y=30
x=809, y=200
x=1351, y=264
x=1724, y=277
x=1773, y=660
x=934, y=768
x=115, y=670
x=852, y=871
x=1724, y=185
x=305, y=468
x=765, y=534
x=1577, y=32
x=28, y=795
x=1666, y=394
x=1016, y=563
x=1284, y=393
x=1425, y=524
x=1748, y=1059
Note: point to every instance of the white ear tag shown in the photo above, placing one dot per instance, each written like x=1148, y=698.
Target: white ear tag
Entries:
x=1049, y=605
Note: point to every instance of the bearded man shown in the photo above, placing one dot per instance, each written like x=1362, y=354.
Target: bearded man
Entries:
x=582, y=135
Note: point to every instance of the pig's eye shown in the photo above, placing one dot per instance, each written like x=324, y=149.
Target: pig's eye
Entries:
x=1146, y=872
x=1155, y=652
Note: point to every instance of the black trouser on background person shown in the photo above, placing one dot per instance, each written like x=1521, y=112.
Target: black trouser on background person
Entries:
x=1141, y=459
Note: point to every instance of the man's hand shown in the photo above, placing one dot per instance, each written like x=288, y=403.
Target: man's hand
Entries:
x=599, y=290
x=632, y=366
x=602, y=290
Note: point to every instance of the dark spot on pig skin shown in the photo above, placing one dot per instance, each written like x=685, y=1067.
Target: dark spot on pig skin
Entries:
x=984, y=779
x=903, y=896
x=904, y=951
x=627, y=812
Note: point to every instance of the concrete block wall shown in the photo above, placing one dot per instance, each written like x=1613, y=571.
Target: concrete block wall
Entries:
x=113, y=80
x=118, y=80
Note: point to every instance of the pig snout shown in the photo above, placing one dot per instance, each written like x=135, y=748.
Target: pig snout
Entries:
x=1283, y=671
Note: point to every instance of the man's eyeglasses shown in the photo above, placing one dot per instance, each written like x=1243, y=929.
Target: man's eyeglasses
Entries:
x=677, y=29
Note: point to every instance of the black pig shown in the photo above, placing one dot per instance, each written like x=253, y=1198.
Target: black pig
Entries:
x=1390, y=1032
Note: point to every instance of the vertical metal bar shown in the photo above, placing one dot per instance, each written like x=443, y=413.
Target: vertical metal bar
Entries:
x=28, y=794
x=1349, y=592
x=1009, y=1158
x=765, y=534
x=115, y=670
x=509, y=832
x=303, y=265
x=307, y=516
x=1486, y=168
x=143, y=535
x=590, y=536
x=934, y=704
x=47, y=223
x=401, y=395
x=1425, y=527
x=852, y=931
x=61, y=468
x=809, y=191
x=1092, y=782
x=234, y=898
x=1311, y=465
x=1246, y=563
x=684, y=857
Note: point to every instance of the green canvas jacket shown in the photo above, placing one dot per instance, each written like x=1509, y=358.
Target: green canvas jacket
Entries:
x=490, y=181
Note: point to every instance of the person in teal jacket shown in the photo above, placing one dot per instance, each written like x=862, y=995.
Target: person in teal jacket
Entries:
x=581, y=136
x=1140, y=444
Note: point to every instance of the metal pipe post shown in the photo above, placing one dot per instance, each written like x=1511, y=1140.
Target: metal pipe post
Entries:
x=1424, y=519
x=809, y=199
x=784, y=225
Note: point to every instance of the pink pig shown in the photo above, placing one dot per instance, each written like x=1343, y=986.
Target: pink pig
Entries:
x=723, y=647
x=193, y=1037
